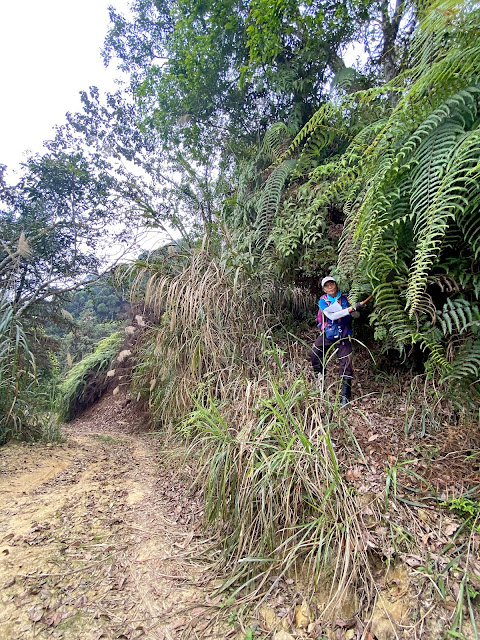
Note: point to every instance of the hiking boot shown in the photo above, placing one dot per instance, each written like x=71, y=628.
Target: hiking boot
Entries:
x=345, y=393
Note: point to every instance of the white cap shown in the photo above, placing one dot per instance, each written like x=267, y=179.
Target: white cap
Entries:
x=328, y=279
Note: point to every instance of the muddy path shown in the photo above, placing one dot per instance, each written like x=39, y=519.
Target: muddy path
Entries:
x=98, y=538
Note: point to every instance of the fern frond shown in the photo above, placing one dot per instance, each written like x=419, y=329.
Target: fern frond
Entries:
x=465, y=369
x=320, y=118
x=274, y=141
x=440, y=193
x=437, y=360
x=459, y=315
x=270, y=197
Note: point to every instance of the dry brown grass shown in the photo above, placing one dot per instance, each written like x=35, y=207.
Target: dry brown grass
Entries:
x=207, y=321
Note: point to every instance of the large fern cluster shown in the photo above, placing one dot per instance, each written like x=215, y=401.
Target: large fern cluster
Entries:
x=281, y=226
x=403, y=162
x=409, y=182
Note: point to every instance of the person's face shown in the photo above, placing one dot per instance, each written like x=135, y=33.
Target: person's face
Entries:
x=330, y=288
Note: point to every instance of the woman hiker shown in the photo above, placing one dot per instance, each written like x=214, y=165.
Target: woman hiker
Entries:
x=335, y=322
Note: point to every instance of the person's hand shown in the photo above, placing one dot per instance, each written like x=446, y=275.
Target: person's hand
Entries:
x=350, y=309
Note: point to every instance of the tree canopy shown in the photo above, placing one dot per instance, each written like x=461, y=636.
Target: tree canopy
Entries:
x=212, y=74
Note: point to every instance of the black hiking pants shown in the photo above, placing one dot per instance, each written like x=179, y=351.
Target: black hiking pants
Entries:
x=322, y=350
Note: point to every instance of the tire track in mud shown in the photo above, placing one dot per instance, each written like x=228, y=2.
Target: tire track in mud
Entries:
x=97, y=538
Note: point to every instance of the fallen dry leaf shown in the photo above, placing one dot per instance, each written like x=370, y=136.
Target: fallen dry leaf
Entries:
x=52, y=619
x=426, y=537
x=451, y=528
x=413, y=561
x=35, y=614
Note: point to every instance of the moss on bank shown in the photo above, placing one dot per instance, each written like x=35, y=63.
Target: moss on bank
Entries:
x=87, y=380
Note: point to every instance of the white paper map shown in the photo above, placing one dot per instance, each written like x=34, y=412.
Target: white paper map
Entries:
x=335, y=307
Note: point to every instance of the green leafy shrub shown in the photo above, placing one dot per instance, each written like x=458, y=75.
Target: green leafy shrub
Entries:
x=465, y=508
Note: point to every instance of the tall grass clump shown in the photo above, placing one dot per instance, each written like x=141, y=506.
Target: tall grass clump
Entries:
x=17, y=380
x=274, y=487
x=25, y=402
x=208, y=309
x=86, y=380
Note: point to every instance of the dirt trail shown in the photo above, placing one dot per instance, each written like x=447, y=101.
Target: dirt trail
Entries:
x=97, y=538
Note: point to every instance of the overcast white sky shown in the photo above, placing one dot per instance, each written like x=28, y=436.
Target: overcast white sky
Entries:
x=50, y=51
